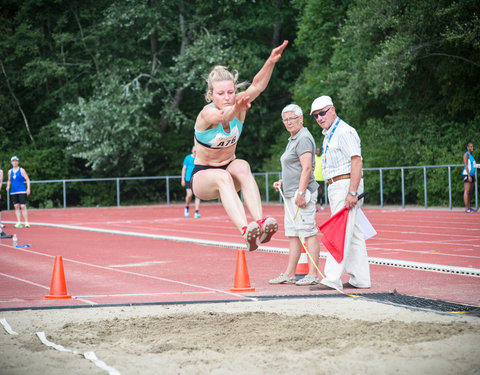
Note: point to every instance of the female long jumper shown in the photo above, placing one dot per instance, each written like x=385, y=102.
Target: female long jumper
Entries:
x=217, y=172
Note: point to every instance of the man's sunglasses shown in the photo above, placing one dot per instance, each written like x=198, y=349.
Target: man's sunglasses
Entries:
x=321, y=114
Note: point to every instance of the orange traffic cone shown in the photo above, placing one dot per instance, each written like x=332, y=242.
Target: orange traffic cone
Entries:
x=58, y=288
x=302, y=265
x=242, y=280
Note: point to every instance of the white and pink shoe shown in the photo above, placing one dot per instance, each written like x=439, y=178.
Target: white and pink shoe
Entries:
x=268, y=228
x=251, y=233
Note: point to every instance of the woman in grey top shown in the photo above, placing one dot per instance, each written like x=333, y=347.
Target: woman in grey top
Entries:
x=298, y=163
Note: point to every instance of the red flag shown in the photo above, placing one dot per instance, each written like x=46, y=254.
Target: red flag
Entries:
x=334, y=233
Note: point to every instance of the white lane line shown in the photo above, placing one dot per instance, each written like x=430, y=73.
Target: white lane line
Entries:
x=87, y=355
x=7, y=327
x=25, y=281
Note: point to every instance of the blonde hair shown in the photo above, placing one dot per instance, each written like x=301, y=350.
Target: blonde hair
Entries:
x=221, y=73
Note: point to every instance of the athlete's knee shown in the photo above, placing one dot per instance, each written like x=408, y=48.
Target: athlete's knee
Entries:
x=224, y=178
x=240, y=166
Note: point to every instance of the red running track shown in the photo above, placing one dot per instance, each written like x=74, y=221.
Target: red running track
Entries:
x=115, y=268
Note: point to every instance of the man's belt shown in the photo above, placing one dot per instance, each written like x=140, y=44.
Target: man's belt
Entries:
x=339, y=177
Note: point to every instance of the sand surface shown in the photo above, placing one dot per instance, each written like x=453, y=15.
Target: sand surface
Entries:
x=287, y=336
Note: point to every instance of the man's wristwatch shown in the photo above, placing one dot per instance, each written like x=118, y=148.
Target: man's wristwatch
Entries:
x=353, y=193
x=301, y=192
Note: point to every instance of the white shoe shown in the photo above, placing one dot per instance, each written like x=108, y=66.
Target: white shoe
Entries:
x=251, y=233
x=308, y=280
x=268, y=228
x=283, y=279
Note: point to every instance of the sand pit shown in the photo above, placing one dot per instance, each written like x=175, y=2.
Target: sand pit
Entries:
x=308, y=336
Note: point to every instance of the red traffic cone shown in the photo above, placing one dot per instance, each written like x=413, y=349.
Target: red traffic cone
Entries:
x=242, y=280
x=58, y=288
x=302, y=265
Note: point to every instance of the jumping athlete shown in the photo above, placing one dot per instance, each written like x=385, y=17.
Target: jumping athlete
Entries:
x=217, y=172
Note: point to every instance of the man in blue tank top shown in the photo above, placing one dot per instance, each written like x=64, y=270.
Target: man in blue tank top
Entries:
x=16, y=186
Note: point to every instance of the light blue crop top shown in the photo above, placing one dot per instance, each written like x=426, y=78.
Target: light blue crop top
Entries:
x=217, y=137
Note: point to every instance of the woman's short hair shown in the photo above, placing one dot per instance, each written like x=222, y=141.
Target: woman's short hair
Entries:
x=293, y=108
x=221, y=73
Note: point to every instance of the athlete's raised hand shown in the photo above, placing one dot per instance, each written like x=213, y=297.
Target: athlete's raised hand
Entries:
x=277, y=52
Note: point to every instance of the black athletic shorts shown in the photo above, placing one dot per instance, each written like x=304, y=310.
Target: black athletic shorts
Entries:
x=465, y=178
x=19, y=198
x=198, y=168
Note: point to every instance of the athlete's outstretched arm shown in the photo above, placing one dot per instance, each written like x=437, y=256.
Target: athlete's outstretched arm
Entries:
x=262, y=78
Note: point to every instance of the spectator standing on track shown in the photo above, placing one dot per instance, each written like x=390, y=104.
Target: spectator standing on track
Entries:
x=188, y=165
x=217, y=172
x=318, y=173
x=468, y=175
x=17, y=177
x=342, y=169
x=2, y=233
x=297, y=176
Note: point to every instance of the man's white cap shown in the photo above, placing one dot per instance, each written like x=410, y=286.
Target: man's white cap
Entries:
x=320, y=103
x=14, y=158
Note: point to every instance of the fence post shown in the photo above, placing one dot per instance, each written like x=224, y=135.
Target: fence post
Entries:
x=403, y=188
x=118, y=192
x=449, y=188
x=425, y=185
x=64, y=193
x=267, y=196
x=381, y=187
x=476, y=188
x=168, y=190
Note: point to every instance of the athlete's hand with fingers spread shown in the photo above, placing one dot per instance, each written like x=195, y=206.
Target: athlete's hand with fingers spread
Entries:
x=277, y=52
x=242, y=103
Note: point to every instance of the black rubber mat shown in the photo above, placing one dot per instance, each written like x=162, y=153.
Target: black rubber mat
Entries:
x=401, y=300
x=423, y=303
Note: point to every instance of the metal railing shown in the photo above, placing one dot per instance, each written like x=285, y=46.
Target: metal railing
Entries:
x=425, y=190
x=266, y=179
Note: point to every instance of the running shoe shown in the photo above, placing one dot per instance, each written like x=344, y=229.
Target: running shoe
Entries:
x=268, y=228
x=308, y=280
x=187, y=212
x=18, y=225
x=469, y=210
x=197, y=215
x=4, y=235
x=27, y=225
x=251, y=233
x=283, y=279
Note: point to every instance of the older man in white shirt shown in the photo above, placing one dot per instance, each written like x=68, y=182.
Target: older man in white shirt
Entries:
x=342, y=170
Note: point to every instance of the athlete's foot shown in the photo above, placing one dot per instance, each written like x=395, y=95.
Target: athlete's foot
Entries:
x=251, y=233
x=268, y=228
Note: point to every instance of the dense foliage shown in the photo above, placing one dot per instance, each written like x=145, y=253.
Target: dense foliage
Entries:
x=112, y=88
